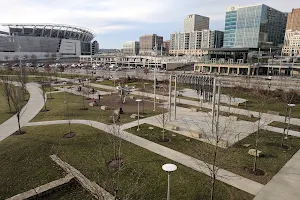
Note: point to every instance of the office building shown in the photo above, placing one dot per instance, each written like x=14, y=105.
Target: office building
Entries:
x=166, y=47
x=291, y=43
x=131, y=48
x=196, y=23
x=256, y=26
x=151, y=44
x=293, y=22
x=292, y=35
x=43, y=41
x=192, y=43
x=95, y=47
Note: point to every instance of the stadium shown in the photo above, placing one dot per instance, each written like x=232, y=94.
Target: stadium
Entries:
x=44, y=40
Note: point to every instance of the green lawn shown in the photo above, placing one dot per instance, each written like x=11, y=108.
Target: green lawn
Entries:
x=284, y=125
x=234, y=158
x=72, y=190
x=58, y=110
x=273, y=104
x=27, y=165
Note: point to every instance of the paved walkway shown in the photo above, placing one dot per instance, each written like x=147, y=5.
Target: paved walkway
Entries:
x=266, y=117
x=285, y=184
x=29, y=111
x=225, y=176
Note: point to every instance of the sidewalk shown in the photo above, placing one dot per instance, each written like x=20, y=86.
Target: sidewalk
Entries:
x=285, y=184
x=29, y=111
x=268, y=117
x=225, y=176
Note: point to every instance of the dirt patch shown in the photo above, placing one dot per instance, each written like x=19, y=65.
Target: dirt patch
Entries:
x=285, y=147
x=69, y=135
x=83, y=108
x=257, y=172
x=115, y=164
x=113, y=102
x=19, y=133
x=160, y=139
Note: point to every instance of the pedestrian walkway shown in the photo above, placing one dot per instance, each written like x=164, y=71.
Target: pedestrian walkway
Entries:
x=267, y=118
x=28, y=112
x=225, y=176
x=285, y=184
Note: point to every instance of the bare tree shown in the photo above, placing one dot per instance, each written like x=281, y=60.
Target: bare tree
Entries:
x=25, y=57
x=16, y=58
x=287, y=97
x=5, y=86
x=6, y=58
x=17, y=100
x=33, y=59
x=263, y=98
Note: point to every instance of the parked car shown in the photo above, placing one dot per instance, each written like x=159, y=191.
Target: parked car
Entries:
x=269, y=78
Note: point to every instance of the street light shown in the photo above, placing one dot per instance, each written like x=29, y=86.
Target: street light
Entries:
x=138, y=100
x=288, y=126
x=169, y=168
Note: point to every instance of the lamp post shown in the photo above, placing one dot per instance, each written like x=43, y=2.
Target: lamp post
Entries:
x=138, y=100
x=169, y=168
x=288, y=126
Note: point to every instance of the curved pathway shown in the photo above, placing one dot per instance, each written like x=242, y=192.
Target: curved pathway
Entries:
x=225, y=176
x=28, y=112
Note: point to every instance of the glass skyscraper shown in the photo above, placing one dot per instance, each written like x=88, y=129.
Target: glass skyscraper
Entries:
x=257, y=26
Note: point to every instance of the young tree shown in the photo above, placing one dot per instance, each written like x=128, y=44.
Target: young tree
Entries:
x=263, y=97
x=17, y=100
x=6, y=58
x=5, y=86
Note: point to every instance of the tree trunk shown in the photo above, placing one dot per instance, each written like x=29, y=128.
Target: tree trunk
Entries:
x=285, y=119
x=214, y=171
x=19, y=123
x=8, y=102
x=256, y=144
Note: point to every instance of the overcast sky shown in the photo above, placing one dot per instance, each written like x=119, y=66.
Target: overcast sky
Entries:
x=116, y=21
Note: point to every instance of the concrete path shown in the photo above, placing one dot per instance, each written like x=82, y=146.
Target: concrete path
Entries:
x=225, y=176
x=268, y=118
x=92, y=187
x=28, y=112
x=285, y=184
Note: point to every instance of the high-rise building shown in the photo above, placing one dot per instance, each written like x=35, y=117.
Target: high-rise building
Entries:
x=292, y=35
x=151, y=43
x=131, y=47
x=166, y=46
x=293, y=22
x=256, y=26
x=95, y=47
x=196, y=23
x=192, y=43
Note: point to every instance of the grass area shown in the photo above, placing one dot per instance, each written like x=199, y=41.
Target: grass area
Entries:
x=58, y=110
x=72, y=190
x=239, y=117
x=190, y=107
x=273, y=103
x=27, y=165
x=236, y=157
x=4, y=109
x=284, y=125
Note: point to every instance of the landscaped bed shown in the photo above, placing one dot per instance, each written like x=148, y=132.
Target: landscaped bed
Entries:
x=58, y=108
x=285, y=125
x=27, y=165
x=236, y=157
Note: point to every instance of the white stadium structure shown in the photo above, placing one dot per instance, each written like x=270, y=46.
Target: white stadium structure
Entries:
x=44, y=41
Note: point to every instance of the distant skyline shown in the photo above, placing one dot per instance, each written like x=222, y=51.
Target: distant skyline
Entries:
x=116, y=21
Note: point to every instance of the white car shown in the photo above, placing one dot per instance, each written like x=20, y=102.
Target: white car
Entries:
x=269, y=78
